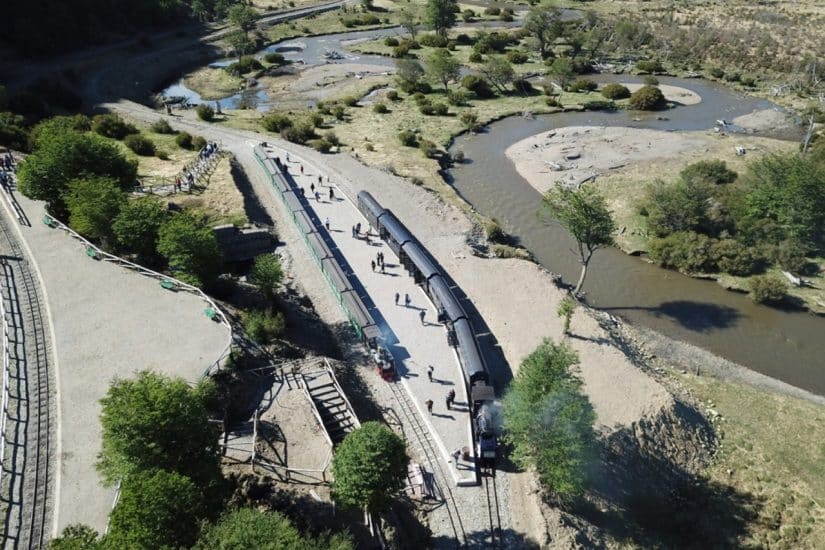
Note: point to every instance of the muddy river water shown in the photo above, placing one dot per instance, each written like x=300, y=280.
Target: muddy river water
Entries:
x=786, y=345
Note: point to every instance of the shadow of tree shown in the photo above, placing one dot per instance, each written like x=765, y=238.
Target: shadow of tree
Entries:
x=507, y=538
x=650, y=493
x=695, y=316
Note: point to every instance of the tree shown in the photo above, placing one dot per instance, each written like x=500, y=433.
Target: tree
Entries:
x=240, y=43
x=442, y=66
x=93, y=203
x=563, y=71
x=409, y=73
x=681, y=206
x=156, y=422
x=156, y=509
x=768, y=289
x=584, y=214
x=440, y=15
x=544, y=25
x=266, y=274
x=136, y=226
x=549, y=421
x=249, y=528
x=77, y=537
x=369, y=467
x=189, y=245
x=66, y=156
x=409, y=21
x=499, y=72
x=243, y=17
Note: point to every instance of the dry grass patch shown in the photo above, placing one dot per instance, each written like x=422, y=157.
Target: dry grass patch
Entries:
x=221, y=200
x=773, y=449
x=213, y=83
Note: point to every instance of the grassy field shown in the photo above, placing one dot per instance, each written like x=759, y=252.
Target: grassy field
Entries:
x=773, y=451
x=213, y=82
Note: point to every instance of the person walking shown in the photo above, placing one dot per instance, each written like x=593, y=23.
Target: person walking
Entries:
x=312, y=188
x=457, y=456
x=320, y=179
x=407, y=300
x=429, y=403
x=358, y=228
x=317, y=197
x=326, y=223
x=421, y=315
x=331, y=194
x=397, y=297
x=430, y=371
x=302, y=169
x=303, y=192
x=450, y=399
x=372, y=263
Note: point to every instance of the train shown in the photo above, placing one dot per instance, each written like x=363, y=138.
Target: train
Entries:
x=460, y=333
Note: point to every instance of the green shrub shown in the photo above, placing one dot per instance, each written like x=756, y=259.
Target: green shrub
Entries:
x=275, y=58
x=506, y=15
x=263, y=326
x=599, y=105
x=615, y=91
x=492, y=11
x=350, y=101
x=791, y=256
x=552, y=101
x=523, y=86
x=322, y=145
x=426, y=108
x=391, y=41
x=380, y=108
x=716, y=72
x=748, y=80
x=494, y=232
x=440, y=109
x=141, y=145
x=317, y=120
x=647, y=98
x=650, y=80
x=470, y=120
x=401, y=50
x=517, y=57
x=677, y=207
x=468, y=15
x=161, y=154
x=457, y=97
x=429, y=148
x=650, y=66
x=582, y=84
x=735, y=258
x=205, y=112
x=12, y=130
x=245, y=65
x=112, y=126
x=420, y=98
x=463, y=39
x=392, y=95
x=476, y=57
x=686, y=251
x=161, y=126
x=709, y=171
x=768, y=289
x=433, y=40
x=276, y=123
x=423, y=87
x=332, y=138
x=198, y=143
x=408, y=138
x=477, y=85
x=184, y=140
x=299, y=133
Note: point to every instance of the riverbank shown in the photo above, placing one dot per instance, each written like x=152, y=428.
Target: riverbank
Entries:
x=622, y=162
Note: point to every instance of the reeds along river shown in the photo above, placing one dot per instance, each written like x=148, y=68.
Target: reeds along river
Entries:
x=787, y=345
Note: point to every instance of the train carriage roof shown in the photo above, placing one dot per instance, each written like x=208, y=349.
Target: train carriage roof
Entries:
x=445, y=299
x=367, y=202
x=318, y=246
x=357, y=309
x=474, y=366
x=336, y=275
x=420, y=259
x=395, y=228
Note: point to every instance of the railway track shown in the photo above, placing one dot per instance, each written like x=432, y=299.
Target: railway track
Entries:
x=27, y=476
x=493, y=511
x=416, y=432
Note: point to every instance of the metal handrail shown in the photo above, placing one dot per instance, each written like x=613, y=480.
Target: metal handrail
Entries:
x=315, y=410
x=5, y=401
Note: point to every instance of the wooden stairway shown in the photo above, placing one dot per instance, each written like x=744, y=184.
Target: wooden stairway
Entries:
x=332, y=408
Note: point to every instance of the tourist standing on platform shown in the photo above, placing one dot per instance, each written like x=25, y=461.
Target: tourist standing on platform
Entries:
x=397, y=297
x=450, y=399
x=407, y=300
x=429, y=403
x=430, y=370
x=421, y=315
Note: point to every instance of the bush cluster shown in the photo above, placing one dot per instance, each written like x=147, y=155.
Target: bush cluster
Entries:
x=246, y=64
x=650, y=66
x=647, y=98
x=112, y=126
x=517, y=57
x=582, y=84
x=275, y=58
x=479, y=86
x=615, y=91
x=275, y=122
x=408, y=138
x=768, y=289
x=161, y=126
x=205, y=112
x=141, y=145
x=380, y=108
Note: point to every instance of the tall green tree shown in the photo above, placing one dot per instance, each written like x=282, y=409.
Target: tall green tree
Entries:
x=156, y=422
x=240, y=43
x=189, y=245
x=549, y=421
x=369, y=467
x=137, y=224
x=243, y=17
x=440, y=15
x=156, y=509
x=443, y=67
x=409, y=21
x=499, y=72
x=93, y=204
x=681, y=206
x=544, y=25
x=266, y=274
x=409, y=73
x=65, y=156
x=562, y=71
x=584, y=214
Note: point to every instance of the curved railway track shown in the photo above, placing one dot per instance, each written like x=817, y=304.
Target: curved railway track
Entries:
x=27, y=475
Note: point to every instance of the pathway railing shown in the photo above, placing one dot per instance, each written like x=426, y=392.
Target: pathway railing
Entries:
x=5, y=401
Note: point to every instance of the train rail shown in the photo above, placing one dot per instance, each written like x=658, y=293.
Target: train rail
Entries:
x=416, y=432
x=493, y=511
x=27, y=474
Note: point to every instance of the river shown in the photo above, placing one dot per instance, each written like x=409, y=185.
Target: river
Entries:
x=787, y=345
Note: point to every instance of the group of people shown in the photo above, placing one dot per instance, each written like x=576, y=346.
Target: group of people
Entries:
x=6, y=168
x=190, y=174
